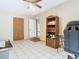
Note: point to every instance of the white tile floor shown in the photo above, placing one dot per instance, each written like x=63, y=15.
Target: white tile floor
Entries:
x=26, y=49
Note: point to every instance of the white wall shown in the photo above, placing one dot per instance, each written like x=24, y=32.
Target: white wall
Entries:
x=6, y=25
x=67, y=11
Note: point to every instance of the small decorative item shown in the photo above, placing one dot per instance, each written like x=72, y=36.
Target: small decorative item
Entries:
x=53, y=23
x=53, y=36
x=49, y=23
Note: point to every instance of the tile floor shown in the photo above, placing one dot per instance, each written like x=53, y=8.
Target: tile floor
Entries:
x=26, y=49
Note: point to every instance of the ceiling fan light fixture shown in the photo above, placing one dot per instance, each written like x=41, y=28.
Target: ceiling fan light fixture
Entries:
x=33, y=2
x=31, y=6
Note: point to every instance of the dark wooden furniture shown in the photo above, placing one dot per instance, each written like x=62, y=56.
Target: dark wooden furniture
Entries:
x=52, y=30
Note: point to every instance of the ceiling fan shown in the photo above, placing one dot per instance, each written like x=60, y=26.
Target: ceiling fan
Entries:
x=34, y=2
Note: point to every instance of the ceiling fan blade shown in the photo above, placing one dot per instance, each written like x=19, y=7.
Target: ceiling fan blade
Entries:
x=38, y=5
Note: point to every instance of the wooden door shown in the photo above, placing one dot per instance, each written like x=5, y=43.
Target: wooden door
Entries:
x=18, y=28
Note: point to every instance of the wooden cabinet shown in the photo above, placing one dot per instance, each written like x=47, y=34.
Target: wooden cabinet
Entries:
x=52, y=30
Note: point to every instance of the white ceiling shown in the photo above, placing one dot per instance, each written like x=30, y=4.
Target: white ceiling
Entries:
x=20, y=7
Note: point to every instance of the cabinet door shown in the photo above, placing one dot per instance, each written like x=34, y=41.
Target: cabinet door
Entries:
x=48, y=42
x=54, y=43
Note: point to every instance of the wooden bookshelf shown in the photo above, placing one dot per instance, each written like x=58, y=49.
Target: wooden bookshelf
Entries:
x=52, y=29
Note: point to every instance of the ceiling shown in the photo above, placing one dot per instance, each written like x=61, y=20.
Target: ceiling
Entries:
x=20, y=7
